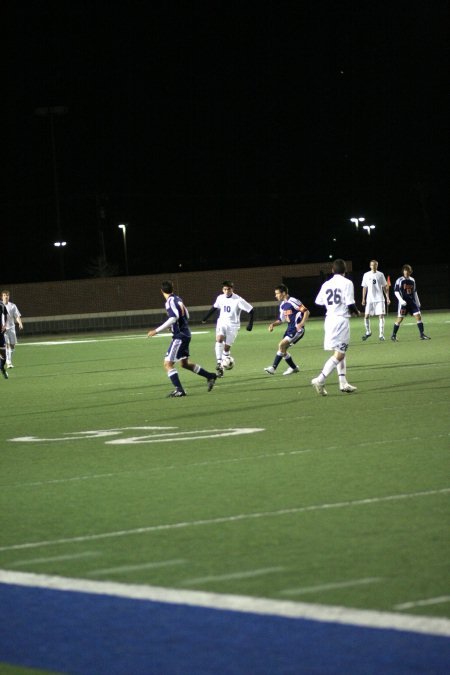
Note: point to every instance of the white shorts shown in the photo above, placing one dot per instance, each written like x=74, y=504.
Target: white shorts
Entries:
x=375, y=308
x=337, y=333
x=10, y=336
x=228, y=332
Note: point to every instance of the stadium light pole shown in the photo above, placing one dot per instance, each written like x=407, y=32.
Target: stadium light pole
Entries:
x=61, y=245
x=123, y=227
x=357, y=221
x=368, y=228
x=51, y=112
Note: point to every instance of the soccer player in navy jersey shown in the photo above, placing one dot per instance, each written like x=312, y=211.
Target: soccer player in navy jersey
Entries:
x=178, y=322
x=3, y=319
x=295, y=314
x=408, y=302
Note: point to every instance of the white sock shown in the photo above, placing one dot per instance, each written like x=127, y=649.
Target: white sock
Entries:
x=342, y=369
x=381, y=326
x=328, y=368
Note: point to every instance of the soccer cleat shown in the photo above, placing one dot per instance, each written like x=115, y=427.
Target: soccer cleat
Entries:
x=394, y=338
x=348, y=388
x=366, y=337
x=219, y=370
x=381, y=338
x=270, y=370
x=424, y=337
x=212, y=382
x=5, y=374
x=319, y=387
x=290, y=371
x=9, y=364
x=177, y=394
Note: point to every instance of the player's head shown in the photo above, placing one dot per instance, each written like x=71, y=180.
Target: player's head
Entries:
x=407, y=270
x=227, y=288
x=281, y=292
x=373, y=265
x=167, y=287
x=5, y=296
x=339, y=266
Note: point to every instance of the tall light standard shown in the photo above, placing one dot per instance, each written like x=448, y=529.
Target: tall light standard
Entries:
x=368, y=228
x=123, y=227
x=61, y=245
x=51, y=112
x=357, y=221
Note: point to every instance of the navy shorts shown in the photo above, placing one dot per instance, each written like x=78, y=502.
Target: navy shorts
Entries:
x=178, y=349
x=294, y=337
x=409, y=308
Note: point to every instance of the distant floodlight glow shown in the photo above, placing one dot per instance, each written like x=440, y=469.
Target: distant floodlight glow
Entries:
x=60, y=243
x=368, y=228
x=357, y=221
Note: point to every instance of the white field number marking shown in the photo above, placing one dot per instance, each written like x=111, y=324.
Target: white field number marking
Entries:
x=156, y=435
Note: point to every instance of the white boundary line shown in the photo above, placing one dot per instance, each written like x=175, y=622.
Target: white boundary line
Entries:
x=235, y=603
x=224, y=519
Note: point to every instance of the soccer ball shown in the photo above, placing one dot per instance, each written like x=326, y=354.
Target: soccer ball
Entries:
x=227, y=362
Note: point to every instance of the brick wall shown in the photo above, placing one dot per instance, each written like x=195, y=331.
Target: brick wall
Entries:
x=128, y=294
x=136, y=302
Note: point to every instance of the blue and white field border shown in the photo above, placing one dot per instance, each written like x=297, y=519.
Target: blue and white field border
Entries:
x=84, y=626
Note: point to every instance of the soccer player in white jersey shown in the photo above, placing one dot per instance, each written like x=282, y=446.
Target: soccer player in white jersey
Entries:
x=374, y=291
x=338, y=296
x=13, y=317
x=229, y=305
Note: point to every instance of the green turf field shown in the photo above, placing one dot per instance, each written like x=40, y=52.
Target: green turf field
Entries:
x=259, y=488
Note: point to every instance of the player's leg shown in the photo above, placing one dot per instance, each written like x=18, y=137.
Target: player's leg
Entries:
x=9, y=346
x=381, y=321
x=400, y=317
x=342, y=374
x=280, y=354
x=293, y=367
x=3, y=357
x=421, y=328
x=219, y=348
x=367, y=330
x=174, y=354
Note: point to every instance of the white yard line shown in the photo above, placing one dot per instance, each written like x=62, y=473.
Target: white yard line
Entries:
x=331, y=587
x=169, y=467
x=235, y=575
x=225, y=519
x=52, y=343
x=235, y=603
x=213, y=462
x=133, y=568
x=56, y=558
x=423, y=603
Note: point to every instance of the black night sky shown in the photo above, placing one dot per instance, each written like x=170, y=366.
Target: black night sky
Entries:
x=225, y=134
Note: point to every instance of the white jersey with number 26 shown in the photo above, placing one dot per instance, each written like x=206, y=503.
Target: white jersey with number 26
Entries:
x=336, y=295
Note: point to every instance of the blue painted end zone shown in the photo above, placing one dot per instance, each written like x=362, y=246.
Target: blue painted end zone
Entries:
x=83, y=634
